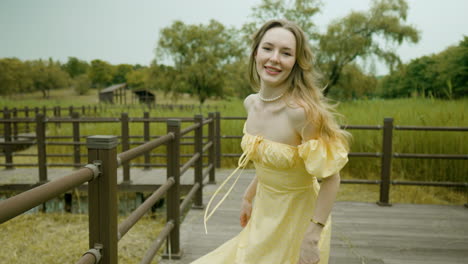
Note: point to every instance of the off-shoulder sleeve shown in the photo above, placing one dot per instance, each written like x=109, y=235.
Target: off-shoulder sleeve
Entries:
x=322, y=160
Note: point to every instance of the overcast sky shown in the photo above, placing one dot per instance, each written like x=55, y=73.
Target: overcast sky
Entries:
x=124, y=31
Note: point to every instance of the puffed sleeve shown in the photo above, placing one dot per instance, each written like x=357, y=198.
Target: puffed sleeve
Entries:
x=323, y=160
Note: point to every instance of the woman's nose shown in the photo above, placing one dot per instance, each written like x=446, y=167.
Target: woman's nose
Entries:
x=275, y=57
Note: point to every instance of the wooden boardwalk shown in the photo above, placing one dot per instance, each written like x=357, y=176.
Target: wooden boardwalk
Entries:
x=362, y=233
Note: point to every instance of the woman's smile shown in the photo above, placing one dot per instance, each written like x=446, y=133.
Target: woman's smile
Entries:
x=272, y=70
x=275, y=57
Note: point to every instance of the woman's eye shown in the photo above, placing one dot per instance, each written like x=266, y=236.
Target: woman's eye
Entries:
x=287, y=54
x=267, y=48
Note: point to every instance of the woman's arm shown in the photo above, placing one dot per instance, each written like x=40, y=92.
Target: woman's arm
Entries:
x=246, y=207
x=251, y=190
x=326, y=198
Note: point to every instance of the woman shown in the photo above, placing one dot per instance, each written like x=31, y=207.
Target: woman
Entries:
x=292, y=137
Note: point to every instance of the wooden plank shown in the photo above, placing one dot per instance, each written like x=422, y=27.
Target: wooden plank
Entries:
x=361, y=233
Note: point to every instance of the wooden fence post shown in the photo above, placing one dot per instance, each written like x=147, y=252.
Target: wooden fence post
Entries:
x=70, y=110
x=146, y=136
x=76, y=140
x=218, y=140
x=15, y=124
x=198, y=199
x=26, y=114
x=102, y=201
x=41, y=148
x=59, y=114
x=212, y=149
x=7, y=148
x=386, y=162
x=173, y=194
x=56, y=114
x=125, y=146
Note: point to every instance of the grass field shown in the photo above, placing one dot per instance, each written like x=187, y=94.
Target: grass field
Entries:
x=411, y=111
x=62, y=238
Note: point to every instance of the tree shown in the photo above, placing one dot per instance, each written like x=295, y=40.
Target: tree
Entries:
x=237, y=78
x=100, y=73
x=15, y=76
x=442, y=75
x=354, y=84
x=137, y=79
x=199, y=53
x=355, y=36
x=75, y=67
x=121, y=72
x=47, y=76
x=164, y=78
x=299, y=11
x=82, y=84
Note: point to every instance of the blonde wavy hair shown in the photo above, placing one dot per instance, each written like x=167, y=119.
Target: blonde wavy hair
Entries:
x=303, y=83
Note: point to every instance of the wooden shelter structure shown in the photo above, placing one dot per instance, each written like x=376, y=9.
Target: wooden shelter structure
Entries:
x=144, y=96
x=113, y=94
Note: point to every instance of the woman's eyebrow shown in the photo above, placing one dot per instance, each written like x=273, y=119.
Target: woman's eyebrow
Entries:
x=271, y=44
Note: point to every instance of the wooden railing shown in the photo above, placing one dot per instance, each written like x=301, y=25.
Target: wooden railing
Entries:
x=386, y=156
x=43, y=141
x=101, y=175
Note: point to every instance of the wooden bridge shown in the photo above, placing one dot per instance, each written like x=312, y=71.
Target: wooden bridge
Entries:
x=362, y=233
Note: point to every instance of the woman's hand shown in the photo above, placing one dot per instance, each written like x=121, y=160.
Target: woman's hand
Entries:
x=246, y=211
x=310, y=253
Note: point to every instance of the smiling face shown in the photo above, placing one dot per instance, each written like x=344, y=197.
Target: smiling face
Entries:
x=275, y=56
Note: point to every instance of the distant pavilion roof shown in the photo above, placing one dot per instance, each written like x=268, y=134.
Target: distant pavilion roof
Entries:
x=113, y=88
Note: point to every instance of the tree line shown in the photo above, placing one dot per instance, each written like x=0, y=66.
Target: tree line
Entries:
x=210, y=60
x=441, y=75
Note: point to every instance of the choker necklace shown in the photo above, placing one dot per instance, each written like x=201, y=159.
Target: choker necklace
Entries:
x=270, y=99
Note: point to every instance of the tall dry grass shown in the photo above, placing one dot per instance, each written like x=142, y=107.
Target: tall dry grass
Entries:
x=411, y=111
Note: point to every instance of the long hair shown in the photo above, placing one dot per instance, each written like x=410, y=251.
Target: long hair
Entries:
x=303, y=83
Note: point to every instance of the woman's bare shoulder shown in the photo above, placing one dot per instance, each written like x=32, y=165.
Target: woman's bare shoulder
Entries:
x=298, y=118
x=296, y=113
x=249, y=101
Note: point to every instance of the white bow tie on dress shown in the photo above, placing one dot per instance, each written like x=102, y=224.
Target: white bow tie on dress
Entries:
x=243, y=161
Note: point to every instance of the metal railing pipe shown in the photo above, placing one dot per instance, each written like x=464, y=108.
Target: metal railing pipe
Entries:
x=207, y=171
x=431, y=128
x=140, y=150
x=87, y=258
x=207, y=121
x=22, y=202
x=188, y=198
x=157, y=243
x=189, y=163
x=207, y=147
x=440, y=184
x=429, y=156
x=189, y=129
x=131, y=220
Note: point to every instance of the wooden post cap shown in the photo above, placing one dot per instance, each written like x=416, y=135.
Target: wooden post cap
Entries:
x=102, y=142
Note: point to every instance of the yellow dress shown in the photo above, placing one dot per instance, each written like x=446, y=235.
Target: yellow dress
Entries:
x=285, y=199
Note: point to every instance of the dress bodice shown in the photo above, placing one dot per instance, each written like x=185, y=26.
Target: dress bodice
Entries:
x=319, y=158
x=315, y=157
